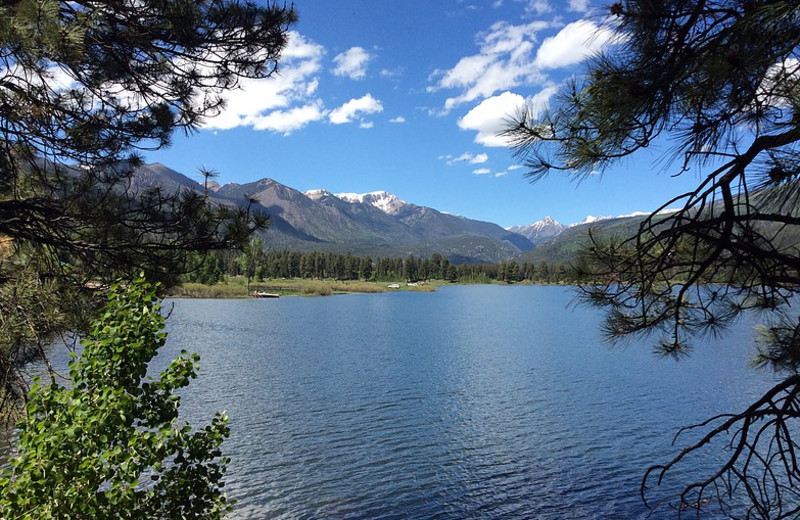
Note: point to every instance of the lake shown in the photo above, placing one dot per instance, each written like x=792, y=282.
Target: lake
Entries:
x=480, y=402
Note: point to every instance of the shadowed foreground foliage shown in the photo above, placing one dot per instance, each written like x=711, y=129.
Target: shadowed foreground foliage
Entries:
x=84, y=88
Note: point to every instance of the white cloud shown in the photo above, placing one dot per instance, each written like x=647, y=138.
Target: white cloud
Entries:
x=572, y=44
x=391, y=73
x=352, y=63
x=301, y=48
x=539, y=7
x=482, y=171
x=60, y=79
x=366, y=124
x=351, y=110
x=398, y=119
x=312, y=86
x=491, y=116
x=580, y=6
x=465, y=71
x=465, y=157
x=505, y=61
x=287, y=121
x=508, y=170
x=53, y=76
x=511, y=56
x=538, y=103
x=479, y=159
x=779, y=84
x=283, y=102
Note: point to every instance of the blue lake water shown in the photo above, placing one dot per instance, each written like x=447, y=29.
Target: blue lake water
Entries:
x=480, y=402
x=471, y=402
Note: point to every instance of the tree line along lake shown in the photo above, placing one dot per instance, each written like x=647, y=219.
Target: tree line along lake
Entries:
x=481, y=402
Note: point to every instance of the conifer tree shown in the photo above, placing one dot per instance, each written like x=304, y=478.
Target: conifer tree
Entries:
x=85, y=87
x=718, y=83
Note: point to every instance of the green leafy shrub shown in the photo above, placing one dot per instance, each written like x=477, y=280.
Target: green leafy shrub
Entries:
x=110, y=445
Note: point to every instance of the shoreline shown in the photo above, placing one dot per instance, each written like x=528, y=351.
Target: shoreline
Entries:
x=237, y=288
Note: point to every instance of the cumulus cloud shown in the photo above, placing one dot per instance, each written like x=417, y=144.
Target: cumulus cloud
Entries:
x=283, y=102
x=354, y=108
x=505, y=61
x=482, y=171
x=572, y=44
x=491, y=116
x=512, y=56
x=398, y=119
x=287, y=121
x=352, y=63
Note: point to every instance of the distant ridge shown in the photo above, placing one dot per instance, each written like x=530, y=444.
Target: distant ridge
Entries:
x=376, y=223
x=379, y=223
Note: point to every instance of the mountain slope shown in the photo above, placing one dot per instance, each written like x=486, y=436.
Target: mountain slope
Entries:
x=376, y=223
x=564, y=247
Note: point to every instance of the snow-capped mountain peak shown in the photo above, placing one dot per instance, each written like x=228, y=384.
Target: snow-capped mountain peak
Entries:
x=539, y=231
x=382, y=200
x=545, y=223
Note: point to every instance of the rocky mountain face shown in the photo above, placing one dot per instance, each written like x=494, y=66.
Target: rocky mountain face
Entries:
x=541, y=231
x=376, y=223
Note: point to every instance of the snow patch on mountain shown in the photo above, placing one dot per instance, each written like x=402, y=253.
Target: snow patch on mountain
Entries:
x=590, y=219
x=382, y=200
x=317, y=194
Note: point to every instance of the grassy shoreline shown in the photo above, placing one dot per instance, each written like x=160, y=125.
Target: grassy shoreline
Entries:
x=237, y=288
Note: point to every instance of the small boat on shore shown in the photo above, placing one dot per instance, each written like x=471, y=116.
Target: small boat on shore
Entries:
x=261, y=294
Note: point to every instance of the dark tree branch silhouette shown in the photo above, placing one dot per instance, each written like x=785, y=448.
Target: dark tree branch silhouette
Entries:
x=85, y=88
x=719, y=81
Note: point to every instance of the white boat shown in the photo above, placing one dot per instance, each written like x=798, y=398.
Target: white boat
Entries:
x=261, y=294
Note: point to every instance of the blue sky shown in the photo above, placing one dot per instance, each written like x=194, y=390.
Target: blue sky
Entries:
x=407, y=97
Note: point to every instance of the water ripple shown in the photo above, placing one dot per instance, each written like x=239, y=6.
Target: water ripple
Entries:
x=480, y=402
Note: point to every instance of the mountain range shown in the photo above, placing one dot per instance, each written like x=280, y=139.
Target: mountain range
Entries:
x=377, y=223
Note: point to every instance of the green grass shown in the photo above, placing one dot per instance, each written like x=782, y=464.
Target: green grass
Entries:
x=237, y=288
